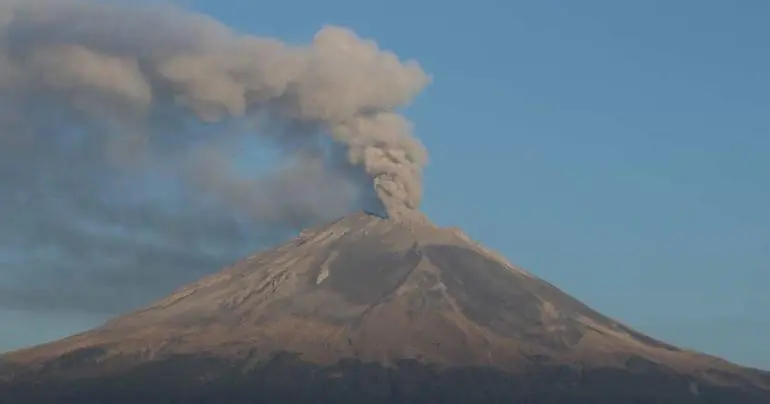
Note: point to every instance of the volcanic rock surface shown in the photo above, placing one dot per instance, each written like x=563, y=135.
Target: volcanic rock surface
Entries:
x=369, y=309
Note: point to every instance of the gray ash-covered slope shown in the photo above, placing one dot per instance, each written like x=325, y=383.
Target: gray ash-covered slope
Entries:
x=378, y=310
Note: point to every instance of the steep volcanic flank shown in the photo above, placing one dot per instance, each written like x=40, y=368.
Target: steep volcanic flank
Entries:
x=372, y=309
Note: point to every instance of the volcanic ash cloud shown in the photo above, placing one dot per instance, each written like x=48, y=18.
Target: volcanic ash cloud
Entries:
x=100, y=102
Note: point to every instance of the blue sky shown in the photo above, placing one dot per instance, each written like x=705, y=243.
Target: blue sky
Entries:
x=616, y=149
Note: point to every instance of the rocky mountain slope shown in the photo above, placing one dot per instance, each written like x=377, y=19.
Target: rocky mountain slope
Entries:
x=372, y=309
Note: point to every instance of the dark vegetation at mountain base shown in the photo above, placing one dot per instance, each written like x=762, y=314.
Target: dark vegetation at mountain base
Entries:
x=287, y=379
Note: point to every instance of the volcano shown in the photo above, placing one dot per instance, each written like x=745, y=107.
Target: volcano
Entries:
x=371, y=309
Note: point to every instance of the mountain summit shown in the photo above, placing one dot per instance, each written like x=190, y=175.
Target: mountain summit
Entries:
x=371, y=309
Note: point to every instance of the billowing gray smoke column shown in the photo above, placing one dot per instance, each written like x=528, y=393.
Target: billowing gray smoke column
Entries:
x=100, y=103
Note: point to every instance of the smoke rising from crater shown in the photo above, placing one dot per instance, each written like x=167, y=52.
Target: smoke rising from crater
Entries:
x=127, y=138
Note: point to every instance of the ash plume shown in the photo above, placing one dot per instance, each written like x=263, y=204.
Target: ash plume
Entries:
x=128, y=138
